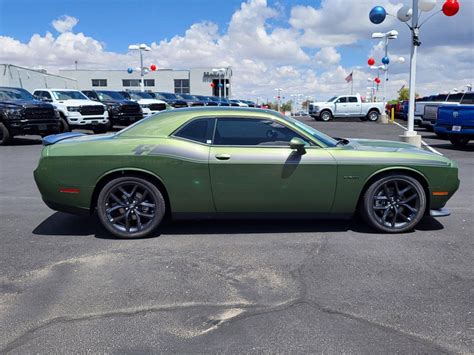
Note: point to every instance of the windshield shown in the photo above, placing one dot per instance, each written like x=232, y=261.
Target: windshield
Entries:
x=332, y=98
x=455, y=97
x=69, y=95
x=168, y=96
x=15, y=94
x=142, y=95
x=109, y=95
x=188, y=97
x=331, y=142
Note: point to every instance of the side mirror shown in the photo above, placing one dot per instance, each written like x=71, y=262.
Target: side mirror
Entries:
x=297, y=144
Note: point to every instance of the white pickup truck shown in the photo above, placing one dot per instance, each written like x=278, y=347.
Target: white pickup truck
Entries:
x=76, y=110
x=345, y=106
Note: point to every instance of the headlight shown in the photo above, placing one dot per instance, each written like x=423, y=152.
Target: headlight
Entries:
x=114, y=108
x=13, y=112
x=73, y=108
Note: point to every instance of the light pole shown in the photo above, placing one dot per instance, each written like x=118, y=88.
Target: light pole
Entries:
x=378, y=14
x=279, y=90
x=141, y=48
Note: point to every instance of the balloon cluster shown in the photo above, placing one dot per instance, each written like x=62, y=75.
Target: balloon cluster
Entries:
x=378, y=14
x=152, y=68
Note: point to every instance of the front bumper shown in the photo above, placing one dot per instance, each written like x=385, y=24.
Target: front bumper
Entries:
x=77, y=119
x=24, y=126
x=125, y=119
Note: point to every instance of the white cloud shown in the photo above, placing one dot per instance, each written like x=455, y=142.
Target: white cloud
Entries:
x=265, y=56
x=65, y=23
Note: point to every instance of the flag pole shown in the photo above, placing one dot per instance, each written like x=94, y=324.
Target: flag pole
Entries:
x=352, y=83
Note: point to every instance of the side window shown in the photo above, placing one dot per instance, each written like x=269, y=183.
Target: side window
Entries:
x=341, y=100
x=197, y=130
x=251, y=132
x=353, y=99
x=46, y=94
x=468, y=99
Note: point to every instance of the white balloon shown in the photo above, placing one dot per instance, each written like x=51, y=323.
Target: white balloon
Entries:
x=401, y=60
x=405, y=13
x=426, y=5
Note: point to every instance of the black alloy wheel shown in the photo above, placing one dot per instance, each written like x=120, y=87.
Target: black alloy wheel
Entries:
x=4, y=135
x=130, y=207
x=395, y=203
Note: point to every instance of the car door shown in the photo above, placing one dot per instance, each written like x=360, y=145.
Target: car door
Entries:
x=340, y=107
x=253, y=169
x=353, y=106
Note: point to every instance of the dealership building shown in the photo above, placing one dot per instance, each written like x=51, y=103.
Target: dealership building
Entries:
x=197, y=81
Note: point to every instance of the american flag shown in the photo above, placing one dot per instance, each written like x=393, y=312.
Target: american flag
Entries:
x=349, y=78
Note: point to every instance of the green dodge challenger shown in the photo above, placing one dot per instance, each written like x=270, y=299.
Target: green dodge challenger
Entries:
x=239, y=162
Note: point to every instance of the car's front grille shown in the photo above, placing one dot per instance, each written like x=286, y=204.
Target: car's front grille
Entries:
x=130, y=108
x=157, y=107
x=38, y=113
x=431, y=112
x=92, y=110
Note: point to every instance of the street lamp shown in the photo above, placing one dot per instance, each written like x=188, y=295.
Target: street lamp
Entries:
x=141, y=48
x=279, y=97
x=378, y=14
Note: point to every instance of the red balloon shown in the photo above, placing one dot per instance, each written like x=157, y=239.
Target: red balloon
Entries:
x=212, y=85
x=153, y=67
x=377, y=80
x=451, y=7
x=371, y=61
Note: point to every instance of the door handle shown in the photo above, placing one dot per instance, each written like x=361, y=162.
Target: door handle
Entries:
x=223, y=156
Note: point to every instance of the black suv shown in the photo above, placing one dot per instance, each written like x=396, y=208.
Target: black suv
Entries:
x=171, y=99
x=21, y=113
x=121, y=111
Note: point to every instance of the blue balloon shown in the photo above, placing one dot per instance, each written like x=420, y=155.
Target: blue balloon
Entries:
x=377, y=15
x=220, y=85
x=385, y=60
x=130, y=70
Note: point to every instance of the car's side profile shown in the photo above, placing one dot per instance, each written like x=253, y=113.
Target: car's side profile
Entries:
x=202, y=162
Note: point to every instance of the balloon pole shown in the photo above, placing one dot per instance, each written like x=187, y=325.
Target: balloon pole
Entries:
x=410, y=135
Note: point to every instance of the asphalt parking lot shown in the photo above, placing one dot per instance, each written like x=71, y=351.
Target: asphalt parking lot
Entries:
x=234, y=286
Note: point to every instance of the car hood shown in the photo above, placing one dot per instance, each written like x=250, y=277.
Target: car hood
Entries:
x=79, y=103
x=26, y=104
x=150, y=101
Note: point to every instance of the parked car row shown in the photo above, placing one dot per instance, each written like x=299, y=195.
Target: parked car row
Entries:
x=50, y=111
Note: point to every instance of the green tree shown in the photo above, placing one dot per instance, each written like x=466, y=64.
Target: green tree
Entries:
x=404, y=94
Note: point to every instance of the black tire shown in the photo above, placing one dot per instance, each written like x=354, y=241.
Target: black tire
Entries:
x=101, y=129
x=373, y=116
x=64, y=126
x=394, y=203
x=441, y=135
x=5, y=136
x=325, y=116
x=137, y=212
x=459, y=142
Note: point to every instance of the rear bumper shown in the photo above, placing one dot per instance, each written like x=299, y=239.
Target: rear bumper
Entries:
x=445, y=129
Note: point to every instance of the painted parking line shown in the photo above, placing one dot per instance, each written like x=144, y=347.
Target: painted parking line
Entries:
x=422, y=141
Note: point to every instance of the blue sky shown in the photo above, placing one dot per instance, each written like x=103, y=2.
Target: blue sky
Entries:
x=307, y=46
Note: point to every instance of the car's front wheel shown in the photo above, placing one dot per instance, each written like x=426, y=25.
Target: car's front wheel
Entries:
x=373, y=116
x=394, y=203
x=459, y=142
x=130, y=207
x=325, y=116
x=4, y=135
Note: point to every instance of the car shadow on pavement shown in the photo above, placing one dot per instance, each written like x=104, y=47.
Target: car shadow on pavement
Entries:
x=62, y=224
x=449, y=146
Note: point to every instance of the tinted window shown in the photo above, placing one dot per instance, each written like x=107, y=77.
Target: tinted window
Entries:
x=99, y=82
x=341, y=99
x=352, y=99
x=196, y=130
x=250, y=132
x=455, y=97
x=468, y=98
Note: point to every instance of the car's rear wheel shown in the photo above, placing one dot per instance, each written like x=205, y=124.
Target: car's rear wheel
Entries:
x=4, y=135
x=394, y=203
x=459, y=142
x=373, y=116
x=325, y=116
x=130, y=207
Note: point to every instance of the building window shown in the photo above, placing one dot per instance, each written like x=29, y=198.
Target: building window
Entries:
x=99, y=82
x=181, y=86
x=130, y=82
x=149, y=82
